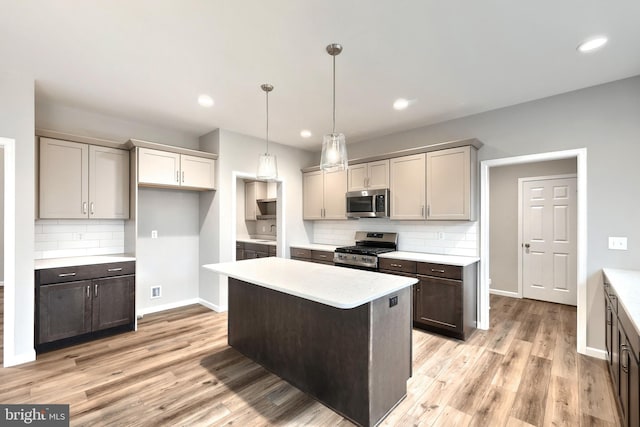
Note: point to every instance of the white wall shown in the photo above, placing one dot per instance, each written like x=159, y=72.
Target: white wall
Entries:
x=17, y=122
x=503, y=222
x=1, y=214
x=437, y=237
x=603, y=119
x=239, y=153
x=55, y=238
x=170, y=261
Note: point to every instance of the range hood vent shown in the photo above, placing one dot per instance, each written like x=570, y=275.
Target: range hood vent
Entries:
x=267, y=208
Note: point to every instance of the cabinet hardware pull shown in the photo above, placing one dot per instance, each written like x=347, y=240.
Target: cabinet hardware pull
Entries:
x=95, y=290
x=182, y=176
x=625, y=349
x=422, y=210
x=433, y=270
x=396, y=265
x=428, y=210
x=115, y=269
x=177, y=176
x=84, y=207
x=92, y=208
x=66, y=274
x=322, y=256
x=88, y=291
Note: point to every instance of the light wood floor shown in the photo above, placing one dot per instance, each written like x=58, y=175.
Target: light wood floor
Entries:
x=178, y=370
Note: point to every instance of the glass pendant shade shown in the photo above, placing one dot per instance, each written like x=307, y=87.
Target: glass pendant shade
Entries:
x=334, y=153
x=267, y=167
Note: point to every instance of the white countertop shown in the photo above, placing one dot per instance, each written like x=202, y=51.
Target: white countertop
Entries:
x=315, y=247
x=41, y=264
x=626, y=284
x=258, y=241
x=461, y=261
x=334, y=286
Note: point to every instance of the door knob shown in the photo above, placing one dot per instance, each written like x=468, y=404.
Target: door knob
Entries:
x=527, y=246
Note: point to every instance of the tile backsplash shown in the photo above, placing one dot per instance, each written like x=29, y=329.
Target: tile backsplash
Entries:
x=65, y=238
x=447, y=238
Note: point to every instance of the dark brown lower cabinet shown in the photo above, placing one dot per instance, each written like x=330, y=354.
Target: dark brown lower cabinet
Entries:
x=622, y=343
x=246, y=250
x=438, y=303
x=78, y=308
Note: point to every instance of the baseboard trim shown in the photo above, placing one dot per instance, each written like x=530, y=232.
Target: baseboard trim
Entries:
x=596, y=352
x=212, y=306
x=504, y=293
x=19, y=359
x=169, y=306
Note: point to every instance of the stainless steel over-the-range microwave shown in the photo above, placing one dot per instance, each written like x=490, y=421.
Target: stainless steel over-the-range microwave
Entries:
x=368, y=204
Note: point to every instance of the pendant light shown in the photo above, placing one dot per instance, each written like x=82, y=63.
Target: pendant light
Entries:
x=267, y=164
x=334, y=145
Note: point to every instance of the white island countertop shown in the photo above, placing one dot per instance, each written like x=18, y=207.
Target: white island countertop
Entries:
x=626, y=284
x=41, y=264
x=338, y=287
x=460, y=261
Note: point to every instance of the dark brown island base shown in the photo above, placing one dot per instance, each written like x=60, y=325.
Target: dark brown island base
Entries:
x=340, y=335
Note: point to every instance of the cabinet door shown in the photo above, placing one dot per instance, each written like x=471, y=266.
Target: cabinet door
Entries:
x=357, y=177
x=378, y=175
x=634, y=390
x=312, y=195
x=113, y=302
x=197, y=172
x=253, y=191
x=64, y=310
x=108, y=183
x=64, y=179
x=449, y=184
x=407, y=187
x=608, y=333
x=158, y=167
x=438, y=303
x=335, y=188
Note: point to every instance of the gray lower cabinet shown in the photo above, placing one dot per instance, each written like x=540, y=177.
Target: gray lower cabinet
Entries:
x=68, y=308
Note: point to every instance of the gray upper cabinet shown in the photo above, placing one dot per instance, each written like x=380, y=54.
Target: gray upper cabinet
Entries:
x=157, y=168
x=407, y=183
x=82, y=181
x=253, y=191
x=324, y=195
x=451, y=183
x=369, y=176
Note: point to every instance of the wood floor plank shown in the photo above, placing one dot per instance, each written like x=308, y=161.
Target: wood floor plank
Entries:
x=178, y=369
x=531, y=398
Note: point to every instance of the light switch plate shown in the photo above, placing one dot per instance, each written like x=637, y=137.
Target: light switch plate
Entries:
x=618, y=243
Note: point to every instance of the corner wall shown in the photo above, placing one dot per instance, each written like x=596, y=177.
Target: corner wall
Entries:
x=603, y=119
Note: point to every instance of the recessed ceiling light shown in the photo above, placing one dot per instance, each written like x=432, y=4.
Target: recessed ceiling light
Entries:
x=305, y=133
x=400, y=104
x=205, y=101
x=592, y=44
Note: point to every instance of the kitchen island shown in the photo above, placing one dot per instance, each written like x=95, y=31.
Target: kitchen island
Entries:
x=340, y=335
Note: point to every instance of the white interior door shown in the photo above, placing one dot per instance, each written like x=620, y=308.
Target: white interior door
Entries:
x=548, y=227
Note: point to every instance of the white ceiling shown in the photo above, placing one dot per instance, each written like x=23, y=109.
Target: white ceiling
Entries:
x=148, y=60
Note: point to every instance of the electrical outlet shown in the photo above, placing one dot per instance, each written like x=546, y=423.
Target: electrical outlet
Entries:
x=440, y=235
x=393, y=301
x=618, y=243
x=156, y=292
x=154, y=234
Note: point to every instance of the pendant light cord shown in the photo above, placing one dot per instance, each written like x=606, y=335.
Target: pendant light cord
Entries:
x=267, y=92
x=334, y=93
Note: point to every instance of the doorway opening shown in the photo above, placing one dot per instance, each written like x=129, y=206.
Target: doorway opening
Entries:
x=580, y=156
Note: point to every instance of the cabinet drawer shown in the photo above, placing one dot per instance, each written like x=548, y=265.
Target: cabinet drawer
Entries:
x=611, y=295
x=273, y=250
x=85, y=272
x=257, y=247
x=323, y=256
x=300, y=253
x=440, y=270
x=397, y=265
x=239, y=245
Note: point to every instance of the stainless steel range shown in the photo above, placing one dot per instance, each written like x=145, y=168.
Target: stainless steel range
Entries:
x=364, y=254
